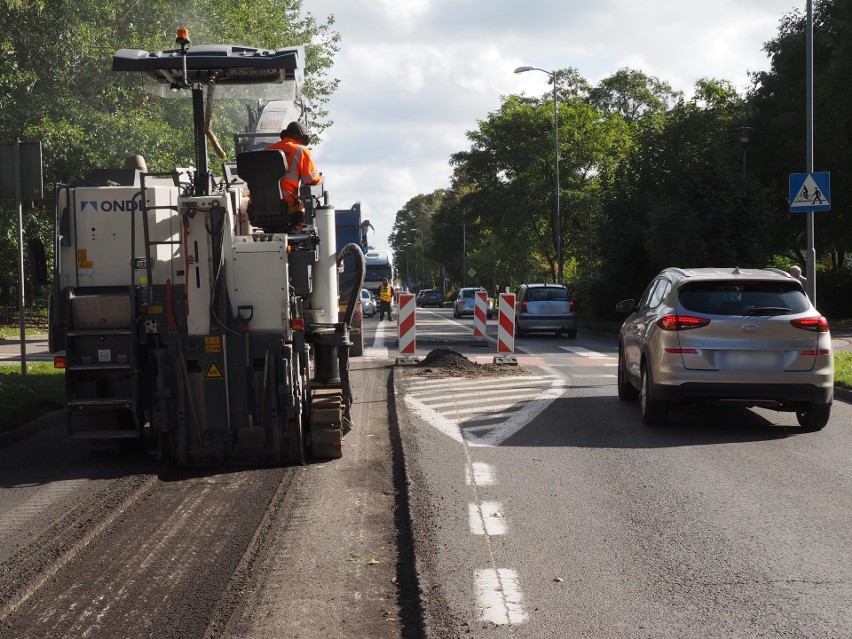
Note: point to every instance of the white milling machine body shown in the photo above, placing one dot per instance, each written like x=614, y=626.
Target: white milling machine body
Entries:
x=203, y=326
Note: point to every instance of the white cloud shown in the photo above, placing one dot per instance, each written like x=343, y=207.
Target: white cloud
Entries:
x=417, y=74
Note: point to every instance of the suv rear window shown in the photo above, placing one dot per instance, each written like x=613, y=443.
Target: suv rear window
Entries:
x=743, y=298
x=546, y=294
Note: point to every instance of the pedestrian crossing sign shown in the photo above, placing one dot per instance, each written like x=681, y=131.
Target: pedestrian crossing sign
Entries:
x=810, y=192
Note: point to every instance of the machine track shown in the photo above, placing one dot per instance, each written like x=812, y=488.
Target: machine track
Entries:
x=327, y=423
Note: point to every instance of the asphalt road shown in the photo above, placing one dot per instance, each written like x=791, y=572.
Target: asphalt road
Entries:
x=527, y=505
x=119, y=545
x=578, y=521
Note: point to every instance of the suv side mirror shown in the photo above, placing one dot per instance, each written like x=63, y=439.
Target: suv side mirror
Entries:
x=626, y=306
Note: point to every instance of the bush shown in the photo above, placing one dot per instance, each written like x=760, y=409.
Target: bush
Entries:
x=834, y=293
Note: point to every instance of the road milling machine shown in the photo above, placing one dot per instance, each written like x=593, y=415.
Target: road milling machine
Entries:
x=192, y=314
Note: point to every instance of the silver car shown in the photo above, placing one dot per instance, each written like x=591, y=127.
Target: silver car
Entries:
x=544, y=308
x=731, y=335
x=368, y=303
x=465, y=303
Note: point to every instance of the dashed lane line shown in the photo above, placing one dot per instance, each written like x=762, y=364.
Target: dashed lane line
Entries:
x=486, y=518
x=480, y=474
x=498, y=596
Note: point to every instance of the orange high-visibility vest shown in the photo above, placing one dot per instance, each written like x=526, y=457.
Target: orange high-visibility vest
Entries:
x=385, y=292
x=300, y=167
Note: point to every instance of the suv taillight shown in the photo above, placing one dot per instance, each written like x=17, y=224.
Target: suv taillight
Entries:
x=815, y=324
x=681, y=322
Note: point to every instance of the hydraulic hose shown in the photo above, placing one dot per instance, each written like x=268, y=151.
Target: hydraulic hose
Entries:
x=360, y=272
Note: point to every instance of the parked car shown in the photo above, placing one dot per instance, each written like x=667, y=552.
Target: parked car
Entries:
x=726, y=335
x=465, y=302
x=544, y=308
x=368, y=303
x=431, y=297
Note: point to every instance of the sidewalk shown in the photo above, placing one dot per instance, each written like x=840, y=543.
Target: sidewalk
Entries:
x=841, y=338
x=36, y=347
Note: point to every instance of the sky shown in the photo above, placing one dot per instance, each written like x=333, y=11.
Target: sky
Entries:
x=416, y=75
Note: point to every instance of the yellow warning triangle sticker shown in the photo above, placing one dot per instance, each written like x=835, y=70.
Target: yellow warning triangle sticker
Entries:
x=213, y=372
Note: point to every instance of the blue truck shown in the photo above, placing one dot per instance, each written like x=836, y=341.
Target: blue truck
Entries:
x=351, y=229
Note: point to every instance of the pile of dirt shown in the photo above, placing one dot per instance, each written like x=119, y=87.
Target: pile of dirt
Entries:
x=444, y=361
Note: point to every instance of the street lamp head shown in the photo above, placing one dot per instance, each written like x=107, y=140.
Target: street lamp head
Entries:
x=523, y=69
x=745, y=132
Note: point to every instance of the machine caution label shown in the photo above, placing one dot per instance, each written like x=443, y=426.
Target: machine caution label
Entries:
x=213, y=372
x=213, y=344
x=82, y=262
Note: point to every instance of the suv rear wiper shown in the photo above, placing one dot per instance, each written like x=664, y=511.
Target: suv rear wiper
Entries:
x=769, y=310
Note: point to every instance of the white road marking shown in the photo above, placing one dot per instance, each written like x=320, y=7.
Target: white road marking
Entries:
x=459, y=383
x=378, y=350
x=502, y=432
x=486, y=518
x=435, y=419
x=371, y=352
x=496, y=433
x=480, y=474
x=498, y=596
x=579, y=350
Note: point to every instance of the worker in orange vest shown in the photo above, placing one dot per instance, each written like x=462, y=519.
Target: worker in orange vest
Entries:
x=300, y=169
x=385, y=296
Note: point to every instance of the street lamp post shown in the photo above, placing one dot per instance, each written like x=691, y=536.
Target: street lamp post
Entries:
x=464, y=248
x=407, y=248
x=552, y=75
x=423, y=257
x=745, y=132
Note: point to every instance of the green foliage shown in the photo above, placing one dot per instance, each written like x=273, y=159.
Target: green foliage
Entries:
x=56, y=83
x=25, y=398
x=648, y=179
x=777, y=107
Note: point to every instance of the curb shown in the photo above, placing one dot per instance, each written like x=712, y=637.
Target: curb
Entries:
x=843, y=394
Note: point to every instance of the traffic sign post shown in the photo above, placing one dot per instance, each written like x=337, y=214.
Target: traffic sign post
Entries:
x=810, y=192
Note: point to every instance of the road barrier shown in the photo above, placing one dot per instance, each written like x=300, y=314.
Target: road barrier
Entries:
x=506, y=330
x=480, y=313
x=406, y=329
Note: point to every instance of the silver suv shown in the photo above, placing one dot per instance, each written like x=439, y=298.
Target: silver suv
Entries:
x=542, y=308
x=740, y=335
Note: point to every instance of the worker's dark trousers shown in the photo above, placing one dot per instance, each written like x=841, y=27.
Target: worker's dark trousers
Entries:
x=384, y=307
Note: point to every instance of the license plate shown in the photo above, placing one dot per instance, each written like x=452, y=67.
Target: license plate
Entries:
x=752, y=360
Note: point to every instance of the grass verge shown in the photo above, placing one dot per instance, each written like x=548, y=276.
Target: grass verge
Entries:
x=843, y=368
x=25, y=398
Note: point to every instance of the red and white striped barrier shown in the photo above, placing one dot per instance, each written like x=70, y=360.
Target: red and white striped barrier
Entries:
x=480, y=313
x=406, y=327
x=506, y=324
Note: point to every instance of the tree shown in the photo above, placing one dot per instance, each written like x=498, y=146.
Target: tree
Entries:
x=412, y=237
x=681, y=199
x=777, y=106
x=56, y=85
x=511, y=169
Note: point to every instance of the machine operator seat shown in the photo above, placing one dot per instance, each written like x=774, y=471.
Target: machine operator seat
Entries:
x=262, y=172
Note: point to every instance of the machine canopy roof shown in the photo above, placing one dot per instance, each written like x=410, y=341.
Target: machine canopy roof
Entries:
x=239, y=72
